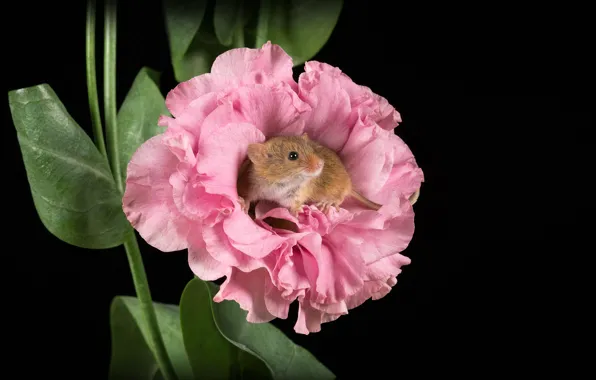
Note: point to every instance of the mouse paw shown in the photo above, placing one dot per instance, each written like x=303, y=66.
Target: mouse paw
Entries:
x=295, y=210
x=245, y=205
x=324, y=206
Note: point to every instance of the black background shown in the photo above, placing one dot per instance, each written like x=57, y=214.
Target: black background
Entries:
x=498, y=110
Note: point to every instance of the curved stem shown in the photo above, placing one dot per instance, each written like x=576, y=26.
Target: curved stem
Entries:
x=139, y=278
x=131, y=246
x=92, y=79
x=109, y=89
x=263, y=23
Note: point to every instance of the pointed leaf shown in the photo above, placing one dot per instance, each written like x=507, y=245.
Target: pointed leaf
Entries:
x=211, y=355
x=132, y=354
x=227, y=18
x=193, y=44
x=137, y=117
x=71, y=183
x=199, y=57
x=183, y=19
x=286, y=359
x=302, y=27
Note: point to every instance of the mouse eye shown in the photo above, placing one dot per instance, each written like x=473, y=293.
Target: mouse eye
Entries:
x=293, y=156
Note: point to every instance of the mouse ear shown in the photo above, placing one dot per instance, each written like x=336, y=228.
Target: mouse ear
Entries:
x=305, y=136
x=256, y=152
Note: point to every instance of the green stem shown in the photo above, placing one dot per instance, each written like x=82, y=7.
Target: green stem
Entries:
x=139, y=278
x=131, y=246
x=263, y=23
x=92, y=79
x=109, y=89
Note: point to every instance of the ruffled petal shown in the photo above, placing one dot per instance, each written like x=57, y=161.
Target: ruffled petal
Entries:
x=340, y=270
x=194, y=197
x=195, y=114
x=147, y=200
x=248, y=289
x=309, y=319
x=222, y=152
x=201, y=263
x=275, y=111
x=255, y=65
x=182, y=144
x=329, y=121
x=275, y=303
x=179, y=98
x=221, y=249
x=386, y=268
x=291, y=274
x=376, y=107
x=405, y=175
x=369, y=288
x=313, y=219
x=379, y=233
x=247, y=237
x=369, y=155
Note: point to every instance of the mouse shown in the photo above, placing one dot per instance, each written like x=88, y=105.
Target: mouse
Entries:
x=293, y=171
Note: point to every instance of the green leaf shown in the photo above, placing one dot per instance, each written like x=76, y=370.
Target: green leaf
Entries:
x=286, y=359
x=227, y=19
x=199, y=57
x=193, y=44
x=211, y=355
x=73, y=189
x=302, y=27
x=137, y=118
x=183, y=19
x=132, y=354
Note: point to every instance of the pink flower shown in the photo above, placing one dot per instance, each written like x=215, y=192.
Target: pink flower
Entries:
x=181, y=188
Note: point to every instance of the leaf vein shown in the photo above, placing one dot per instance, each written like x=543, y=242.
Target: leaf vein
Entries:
x=70, y=160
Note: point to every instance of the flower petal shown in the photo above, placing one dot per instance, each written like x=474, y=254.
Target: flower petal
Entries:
x=291, y=274
x=220, y=248
x=376, y=107
x=340, y=270
x=248, y=289
x=202, y=264
x=309, y=319
x=179, y=98
x=255, y=65
x=182, y=144
x=194, y=197
x=379, y=233
x=329, y=121
x=369, y=288
x=273, y=110
x=246, y=236
x=147, y=200
x=385, y=268
x=368, y=156
x=405, y=175
x=275, y=303
x=222, y=152
x=195, y=114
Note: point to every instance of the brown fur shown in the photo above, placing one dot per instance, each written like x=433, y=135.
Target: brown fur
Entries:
x=268, y=171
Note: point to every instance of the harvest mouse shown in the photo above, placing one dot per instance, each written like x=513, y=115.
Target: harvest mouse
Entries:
x=293, y=171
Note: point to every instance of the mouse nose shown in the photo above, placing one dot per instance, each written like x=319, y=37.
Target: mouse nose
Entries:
x=315, y=164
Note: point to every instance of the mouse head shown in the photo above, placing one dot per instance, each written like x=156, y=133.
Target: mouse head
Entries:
x=284, y=157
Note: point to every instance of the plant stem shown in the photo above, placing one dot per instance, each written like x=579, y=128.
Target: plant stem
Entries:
x=263, y=23
x=109, y=88
x=135, y=260
x=92, y=79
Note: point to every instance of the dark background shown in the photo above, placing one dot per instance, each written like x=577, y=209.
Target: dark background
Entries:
x=497, y=103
